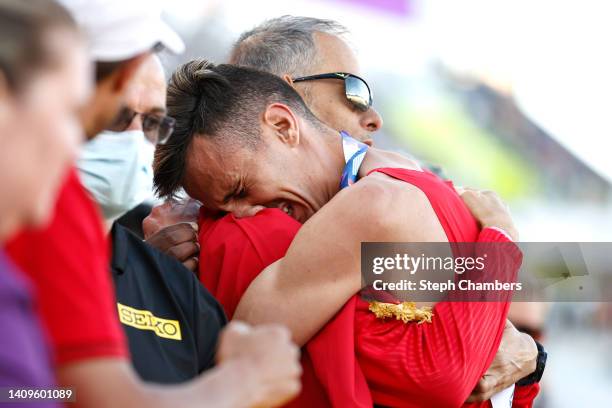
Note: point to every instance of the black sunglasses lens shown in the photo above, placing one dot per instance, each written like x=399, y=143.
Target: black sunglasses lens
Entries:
x=358, y=93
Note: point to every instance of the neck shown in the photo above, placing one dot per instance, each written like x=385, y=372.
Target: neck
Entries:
x=330, y=156
x=377, y=158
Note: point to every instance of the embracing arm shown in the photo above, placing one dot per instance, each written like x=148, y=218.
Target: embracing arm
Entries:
x=322, y=268
x=517, y=354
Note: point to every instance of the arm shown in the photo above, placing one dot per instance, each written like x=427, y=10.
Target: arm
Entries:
x=113, y=383
x=438, y=363
x=515, y=359
x=517, y=354
x=322, y=268
x=263, y=358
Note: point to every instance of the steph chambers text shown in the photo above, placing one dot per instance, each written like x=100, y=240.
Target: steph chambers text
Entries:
x=449, y=285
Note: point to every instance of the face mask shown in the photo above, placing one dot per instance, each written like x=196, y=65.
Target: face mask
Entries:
x=117, y=170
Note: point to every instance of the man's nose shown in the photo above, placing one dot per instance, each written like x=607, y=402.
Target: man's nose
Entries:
x=371, y=120
x=136, y=123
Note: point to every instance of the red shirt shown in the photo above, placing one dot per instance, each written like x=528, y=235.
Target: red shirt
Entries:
x=355, y=354
x=68, y=265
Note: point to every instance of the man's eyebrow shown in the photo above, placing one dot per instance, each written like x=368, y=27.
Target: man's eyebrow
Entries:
x=158, y=109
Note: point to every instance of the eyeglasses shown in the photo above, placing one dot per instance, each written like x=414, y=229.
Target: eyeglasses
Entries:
x=356, y=89
x=157, y=128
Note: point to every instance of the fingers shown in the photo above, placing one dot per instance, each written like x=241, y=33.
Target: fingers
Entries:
x=260, y=343
x=184, y=251
x=279, y=366
x=182, y=232
x=169, y=237
x=231, y=338
x=168, y=214
x=268, y=361
x=483, y=390
x=192, y=264
x=488, y=209
x=157, y=219
x=150, y=226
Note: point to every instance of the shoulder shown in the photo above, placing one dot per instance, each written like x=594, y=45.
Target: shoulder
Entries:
x=386, y=209
x=380, y=197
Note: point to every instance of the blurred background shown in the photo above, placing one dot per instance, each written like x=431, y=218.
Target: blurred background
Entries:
x=506, y=95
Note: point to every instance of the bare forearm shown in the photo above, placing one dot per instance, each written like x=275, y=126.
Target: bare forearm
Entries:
x=113, y=384
x=303, y=307
x=215, y=388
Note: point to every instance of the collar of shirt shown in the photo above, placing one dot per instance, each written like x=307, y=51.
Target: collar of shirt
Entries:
x=119, y=248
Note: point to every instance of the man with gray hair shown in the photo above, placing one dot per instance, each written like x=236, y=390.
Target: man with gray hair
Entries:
x=314, y=57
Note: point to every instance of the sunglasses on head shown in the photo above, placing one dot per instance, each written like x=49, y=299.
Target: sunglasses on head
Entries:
x=156, y=127
x=356, y=89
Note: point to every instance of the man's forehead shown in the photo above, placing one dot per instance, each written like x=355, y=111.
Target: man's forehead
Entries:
x=334, y=55
x=211, y=172
x=148, y=89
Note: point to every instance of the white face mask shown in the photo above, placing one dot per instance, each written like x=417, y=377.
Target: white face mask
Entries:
x=117, y=170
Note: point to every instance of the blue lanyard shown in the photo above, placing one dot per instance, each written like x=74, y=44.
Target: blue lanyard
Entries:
x=354, y=153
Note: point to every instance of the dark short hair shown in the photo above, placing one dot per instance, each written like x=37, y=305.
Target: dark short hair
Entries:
x=23, y=28
x=222, y=102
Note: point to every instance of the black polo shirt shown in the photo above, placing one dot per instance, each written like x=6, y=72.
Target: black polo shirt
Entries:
x=172, y=322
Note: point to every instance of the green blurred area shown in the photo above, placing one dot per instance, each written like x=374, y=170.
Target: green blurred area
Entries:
x=440, y=132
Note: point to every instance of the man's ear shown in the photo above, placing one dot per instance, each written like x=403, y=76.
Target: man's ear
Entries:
x=124, y=74
x=284, y=123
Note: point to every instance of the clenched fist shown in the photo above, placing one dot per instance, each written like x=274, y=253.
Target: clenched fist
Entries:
x=269, y=360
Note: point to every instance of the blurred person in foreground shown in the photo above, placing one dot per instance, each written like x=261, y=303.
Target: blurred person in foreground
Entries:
x=299, y=49
x=116, y=165
x=244, y=140
x=67, y=262
x=116, y=169
x=38, y=142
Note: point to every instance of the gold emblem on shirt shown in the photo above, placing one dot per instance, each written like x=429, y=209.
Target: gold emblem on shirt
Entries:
x=145, y=320
x=405, y=311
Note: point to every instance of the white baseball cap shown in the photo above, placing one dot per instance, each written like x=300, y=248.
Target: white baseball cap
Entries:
x=120, y=29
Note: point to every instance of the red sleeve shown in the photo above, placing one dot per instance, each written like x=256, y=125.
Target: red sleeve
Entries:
x=235, y=250
x=436, y=364
x=525, y=395
x=68, y=264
